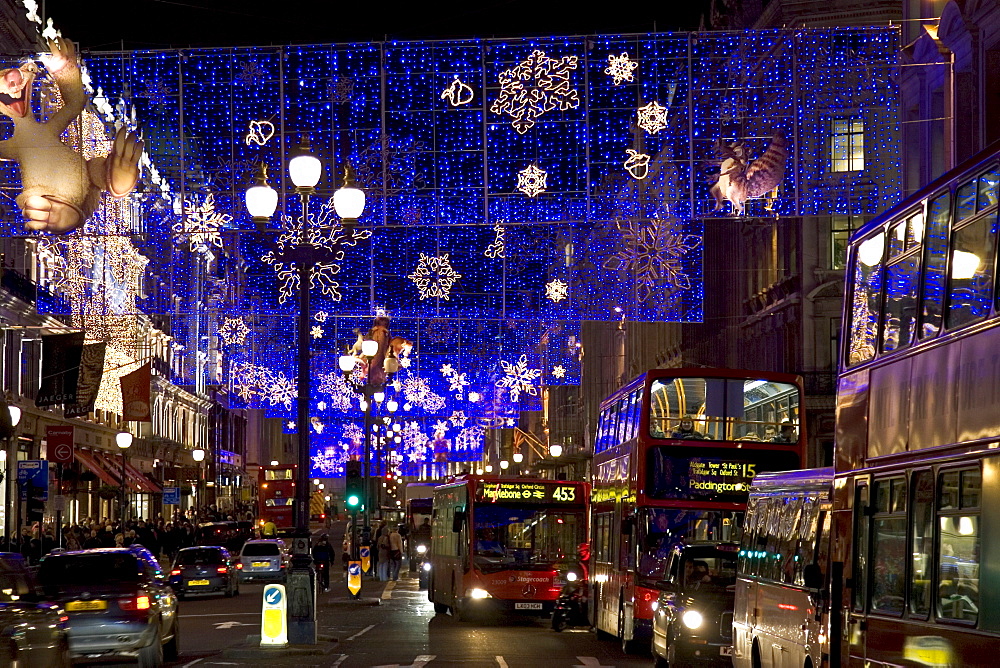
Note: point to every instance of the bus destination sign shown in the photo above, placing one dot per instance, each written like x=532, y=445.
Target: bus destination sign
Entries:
x=718, y=476
x=526, y=492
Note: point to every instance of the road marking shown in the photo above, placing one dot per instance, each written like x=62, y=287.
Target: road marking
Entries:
x=343, y=657
x=229, y=625
x=187, y=665
x=223, y=614
x=500, y=661
x=421, y=661
x=362, y=632
x=387, y=593
x=590, y=662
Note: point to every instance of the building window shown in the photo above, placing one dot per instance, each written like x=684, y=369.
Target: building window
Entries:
x=847, y=145
x=841, y=227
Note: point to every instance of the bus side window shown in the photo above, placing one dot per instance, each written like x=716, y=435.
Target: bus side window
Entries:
x=859, y=574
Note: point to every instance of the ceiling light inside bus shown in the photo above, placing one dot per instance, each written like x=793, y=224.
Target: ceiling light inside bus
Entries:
x=870, y=251
x=965, y=526
x=964, y=265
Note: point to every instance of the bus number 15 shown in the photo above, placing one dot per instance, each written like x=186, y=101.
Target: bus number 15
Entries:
x=564, y=494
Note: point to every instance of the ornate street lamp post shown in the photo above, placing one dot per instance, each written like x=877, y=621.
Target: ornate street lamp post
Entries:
x=198, y=455
x=124, y=441
x=10, y=416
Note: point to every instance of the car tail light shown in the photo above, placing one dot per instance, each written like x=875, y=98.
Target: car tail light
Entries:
x=176, y=571
x=137, y=603
x=221, y=569
x=239, y=566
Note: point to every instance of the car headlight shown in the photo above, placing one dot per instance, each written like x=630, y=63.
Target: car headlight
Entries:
x=421, y=549
x=427, y=566
x=655, y=605
x=477, y=593
x=692, y=619
x=571, y=576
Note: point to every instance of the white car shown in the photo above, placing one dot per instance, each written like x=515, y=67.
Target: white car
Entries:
x=264, y=560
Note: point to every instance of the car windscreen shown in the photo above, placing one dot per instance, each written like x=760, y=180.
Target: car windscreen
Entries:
x=199, y=556
x=260, y=550
x=92, y=570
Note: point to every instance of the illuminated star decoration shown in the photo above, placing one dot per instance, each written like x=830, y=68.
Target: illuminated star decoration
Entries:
x=559, y=371
x=434, y=276
x=234, y=330
x=620, y=68
x=637, y=164
x=556, y=290
x=458, y=418
x=496, y=249
x=652, y=117
x=201, y=224
x=519, y=378
x=260, y=132
x=290, y=425
x=531, y=180
x=321, y=316
x=457, y=93
x=457, y=381
x=535, y=86
x=652, y=253
x=316, y=332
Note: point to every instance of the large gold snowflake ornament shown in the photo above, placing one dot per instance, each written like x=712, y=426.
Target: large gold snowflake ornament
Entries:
x=620, y=68
x=652, y=117
x=652, y=254
x=201, y=224
x=535, y=86
x=556, y=290
x=234, y=330
x=434, y=276
x=531, y=180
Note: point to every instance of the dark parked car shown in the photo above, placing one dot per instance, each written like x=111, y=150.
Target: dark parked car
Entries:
x=693, y=620
x=118, y=603
x=228, y=534
x=205, y=570
x=32, y=631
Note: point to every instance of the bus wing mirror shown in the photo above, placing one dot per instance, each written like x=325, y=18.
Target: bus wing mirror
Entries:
x=812, y=577
x=458, y=521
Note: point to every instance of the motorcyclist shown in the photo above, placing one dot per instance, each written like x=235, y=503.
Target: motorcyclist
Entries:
x=322, y=554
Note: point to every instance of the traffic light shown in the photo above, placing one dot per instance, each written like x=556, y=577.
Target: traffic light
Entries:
x=35, y=504
x=354, y=485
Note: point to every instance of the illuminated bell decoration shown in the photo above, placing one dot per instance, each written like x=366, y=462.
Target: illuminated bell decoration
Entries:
x=305, y=168
x=349, y=200
x=261, y=198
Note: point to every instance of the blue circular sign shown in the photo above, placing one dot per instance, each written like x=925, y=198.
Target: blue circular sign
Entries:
x=272, y=595
x=354, y=569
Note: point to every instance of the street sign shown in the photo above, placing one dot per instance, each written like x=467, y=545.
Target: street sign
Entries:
x=59, y=502
x=273, y=623
x=366, y=560
x=172, y=496
x=33, y=472
x=354, y=577
x=59, y=443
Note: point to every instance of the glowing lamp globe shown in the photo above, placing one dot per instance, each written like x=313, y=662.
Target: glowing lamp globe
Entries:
x=15, y=414
x=349, y=200
x=123, y=439
x=198, y=454
x=304, y=168
x=347, y=363
x=518, y=458
x=261, y=198
x=369, y=348
x=555, y=450
x=504, y=464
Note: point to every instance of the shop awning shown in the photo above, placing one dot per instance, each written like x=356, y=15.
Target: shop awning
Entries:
x=96, y=467
x=137, y=481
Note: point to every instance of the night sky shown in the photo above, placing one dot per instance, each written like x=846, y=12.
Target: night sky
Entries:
x=150, y=24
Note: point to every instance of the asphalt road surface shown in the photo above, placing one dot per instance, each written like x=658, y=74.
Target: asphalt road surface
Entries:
x=392, y=625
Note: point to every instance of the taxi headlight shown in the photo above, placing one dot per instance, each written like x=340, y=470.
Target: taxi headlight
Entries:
x=692, y=619
x=477, y=593
x=427, y=566
x=654, y=605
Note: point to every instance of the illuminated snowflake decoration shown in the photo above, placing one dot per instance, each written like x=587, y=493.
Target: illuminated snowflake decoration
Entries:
x=290, y=425
x=251, y=73
x=434, y=276
x=637, y=164
x=496, y=249
x=531, y=180
x=322, y=230
x=537, y=85
x=652, y=117
x=556, y=290
x=511, y=422
x=341, y=90
x=281, y=390
x=201, y=224
x=321, y=405
x=415, y=440
x=316, y=332
x=469, y=439
x=458, y=418
x=334, y=385
x=234, y=330
x=441, y=425
x=417, y=392
x=329, y=461
x=620, y=68
x=559, y=371
x=249, y=380
x=653, y=254
x=519, y=378
x=157, y=93
x=405, y=362
x=458, y=93
x=321, y=316
x=457, y=381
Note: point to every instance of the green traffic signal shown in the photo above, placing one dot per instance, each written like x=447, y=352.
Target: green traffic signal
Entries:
x=353, y=501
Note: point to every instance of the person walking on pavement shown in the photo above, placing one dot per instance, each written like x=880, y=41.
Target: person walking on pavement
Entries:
x=322, y=554
x=395, y=553
x=383, y=556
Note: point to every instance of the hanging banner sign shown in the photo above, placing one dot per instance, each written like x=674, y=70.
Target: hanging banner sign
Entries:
x=89, y=381
x=60, y=368
x=171, y=496
x=366, y=561
x=135, y=395
x=354, y=577
x=273, y=621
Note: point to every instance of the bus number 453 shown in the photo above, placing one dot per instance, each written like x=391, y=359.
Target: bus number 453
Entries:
x=564, y=494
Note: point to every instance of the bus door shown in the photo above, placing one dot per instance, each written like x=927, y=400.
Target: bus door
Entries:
x=857, y=626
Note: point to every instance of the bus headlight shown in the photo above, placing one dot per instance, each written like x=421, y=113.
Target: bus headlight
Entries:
x=571, y=576
x=477, y=593
x=427, y=566
x=421, y=549
x=692, y=619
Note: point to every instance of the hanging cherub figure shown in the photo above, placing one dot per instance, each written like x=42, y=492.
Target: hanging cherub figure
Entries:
x=61, y=189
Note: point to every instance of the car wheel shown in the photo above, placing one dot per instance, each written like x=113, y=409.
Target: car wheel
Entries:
x=440, y=608
x=172, y=649
x=229, y=590
x=151, y=656
x=559, y=621
x=659, y=661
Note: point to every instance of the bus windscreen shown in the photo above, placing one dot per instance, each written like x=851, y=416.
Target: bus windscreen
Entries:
x=515, y=535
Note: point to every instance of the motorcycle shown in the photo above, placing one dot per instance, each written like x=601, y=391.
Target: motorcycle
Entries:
x=572, y=605
x=423, y=567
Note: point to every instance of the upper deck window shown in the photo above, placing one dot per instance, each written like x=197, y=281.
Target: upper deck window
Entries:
x=935, y=264
x=723, y=409
x=902, y=280
x=866, y=288
x=970, y=283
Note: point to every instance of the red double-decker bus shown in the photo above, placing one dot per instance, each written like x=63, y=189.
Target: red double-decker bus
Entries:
x=497, y=544
x=674, y=455
x=276, y=496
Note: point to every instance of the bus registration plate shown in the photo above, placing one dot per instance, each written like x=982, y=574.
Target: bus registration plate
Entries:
x=726, y=650
x=527, y=606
